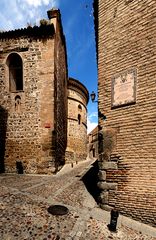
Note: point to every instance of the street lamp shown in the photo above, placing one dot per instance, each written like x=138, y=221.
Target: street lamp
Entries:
x=100, y=115
x=93, y=95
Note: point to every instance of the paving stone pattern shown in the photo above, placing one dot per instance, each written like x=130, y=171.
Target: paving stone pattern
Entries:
x=24, y=200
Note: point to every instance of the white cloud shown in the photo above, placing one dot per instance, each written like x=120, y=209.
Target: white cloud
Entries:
x=93, y=114
x=37, y=3
x=92, y=121
x=90, y=125
x=17, y=13
x=5, y=22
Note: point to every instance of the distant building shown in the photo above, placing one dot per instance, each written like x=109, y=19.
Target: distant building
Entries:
x=92, y=143
x=126, y=54
x=33, y=98
x=78, y=97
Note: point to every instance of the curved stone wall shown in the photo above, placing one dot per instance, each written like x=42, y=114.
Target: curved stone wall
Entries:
x=77, y=121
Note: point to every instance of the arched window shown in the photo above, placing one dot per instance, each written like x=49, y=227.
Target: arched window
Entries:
x=17, y=104
x=79, y=108
x=79, y=119
x=15, y=66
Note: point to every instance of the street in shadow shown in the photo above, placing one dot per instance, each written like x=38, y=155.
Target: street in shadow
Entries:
x=90, y=179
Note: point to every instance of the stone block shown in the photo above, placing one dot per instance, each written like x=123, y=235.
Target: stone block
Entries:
x=102, y=175
x=107, y=165
x=106, y=207
x=104, y=157
x=104, y=197
x=107, y=186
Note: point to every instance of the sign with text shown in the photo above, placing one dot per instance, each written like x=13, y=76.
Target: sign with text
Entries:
x=124, y=88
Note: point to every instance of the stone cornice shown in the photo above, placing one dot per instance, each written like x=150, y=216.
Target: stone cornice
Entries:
x=79, y=86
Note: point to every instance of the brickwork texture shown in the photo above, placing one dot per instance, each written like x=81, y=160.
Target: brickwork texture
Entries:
x=126, y=40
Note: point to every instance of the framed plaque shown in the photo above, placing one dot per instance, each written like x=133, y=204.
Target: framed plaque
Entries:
x=124, y=88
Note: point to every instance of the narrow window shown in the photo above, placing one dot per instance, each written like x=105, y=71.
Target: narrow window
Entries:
x=15, y=72
x=79, y=119
x=93, y=151
x=17, y=104
x=79, y=108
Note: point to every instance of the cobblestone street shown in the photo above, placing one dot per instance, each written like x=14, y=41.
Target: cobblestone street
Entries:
x=24, y=200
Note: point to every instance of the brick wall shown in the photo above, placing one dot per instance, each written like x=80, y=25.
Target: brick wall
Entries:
x=127, y=36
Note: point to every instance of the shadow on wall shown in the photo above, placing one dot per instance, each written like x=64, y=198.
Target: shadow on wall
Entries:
x=90, y=179
x=3, y=129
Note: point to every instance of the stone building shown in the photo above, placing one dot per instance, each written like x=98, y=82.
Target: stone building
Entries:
x=33, y=97
x=126, y=53
x=92, y=143
x=78, y=97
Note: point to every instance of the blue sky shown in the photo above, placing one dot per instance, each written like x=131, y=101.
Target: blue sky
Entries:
x=78, y=27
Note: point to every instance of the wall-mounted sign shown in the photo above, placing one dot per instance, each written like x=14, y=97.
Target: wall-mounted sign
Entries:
x=124, y=88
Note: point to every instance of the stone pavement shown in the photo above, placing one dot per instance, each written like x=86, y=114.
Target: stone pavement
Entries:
x=24, y=200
